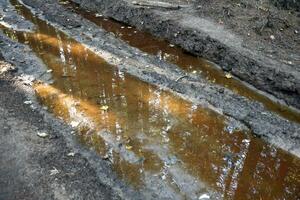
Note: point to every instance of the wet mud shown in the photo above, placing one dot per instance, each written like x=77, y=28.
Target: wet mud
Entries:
x=267, y=125
x=152, y=137
x=211, y=41
x=191, y=64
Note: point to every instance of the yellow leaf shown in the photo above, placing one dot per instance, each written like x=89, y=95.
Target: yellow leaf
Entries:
x=105, y=108
x=128, y=147
x=228, y=75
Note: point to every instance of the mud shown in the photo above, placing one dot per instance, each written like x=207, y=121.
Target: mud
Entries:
x=79, y=76
x=269, y=126
x=27, y=160
x=211, y=41
x=191, y=64
x=155, y=140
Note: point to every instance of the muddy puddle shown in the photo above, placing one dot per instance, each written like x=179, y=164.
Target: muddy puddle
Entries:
x=166, y=51
x=154, y=139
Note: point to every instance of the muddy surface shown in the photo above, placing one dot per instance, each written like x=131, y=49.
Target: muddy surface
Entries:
x=194, y=88
x=191, y=64
x=27, y=160
x=155, y=141
x=233, y=52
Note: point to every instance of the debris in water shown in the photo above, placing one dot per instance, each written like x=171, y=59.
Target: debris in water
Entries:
x=272, y=37
x=49, y=71
x=228, y=75
x=53, y=171
x=105, y=108
x=172, y=45
x=42, y=134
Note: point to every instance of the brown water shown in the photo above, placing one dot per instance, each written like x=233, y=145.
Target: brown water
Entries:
x=151, y=136
x=149, y=44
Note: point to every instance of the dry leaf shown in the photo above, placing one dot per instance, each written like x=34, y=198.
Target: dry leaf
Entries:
x=228, y=75
x=128, y=147
x=54, y=171
x=105, y=108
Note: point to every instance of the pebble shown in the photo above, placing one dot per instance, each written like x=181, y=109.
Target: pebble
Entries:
x=27, y=102
x=272, y=37
x=42, y=134
x=71, y=154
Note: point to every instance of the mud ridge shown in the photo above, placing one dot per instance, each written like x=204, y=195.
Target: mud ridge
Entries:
x=208, y=40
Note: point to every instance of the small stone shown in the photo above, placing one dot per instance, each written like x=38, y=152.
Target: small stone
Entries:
x=71, y=154
x=42, y=134
x=204, y=196
x=105, y=157
x=272, y=37
x=27, y=102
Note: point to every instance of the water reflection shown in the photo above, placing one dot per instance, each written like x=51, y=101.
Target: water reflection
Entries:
x=154, y=139
x=165, y=51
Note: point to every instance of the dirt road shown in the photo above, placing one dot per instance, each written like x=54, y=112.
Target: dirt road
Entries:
x=95, y=109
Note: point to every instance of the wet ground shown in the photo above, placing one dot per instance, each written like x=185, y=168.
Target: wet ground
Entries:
x=191, y=64
x=155, y=140
x=200, y=28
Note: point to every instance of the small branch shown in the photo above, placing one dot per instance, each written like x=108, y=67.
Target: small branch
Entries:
x=181, y=77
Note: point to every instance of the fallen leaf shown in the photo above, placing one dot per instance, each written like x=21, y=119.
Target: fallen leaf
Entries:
x=105, y=108
x=228, y=75
x=42, y=134
x=53, y=171
x=128, y=147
